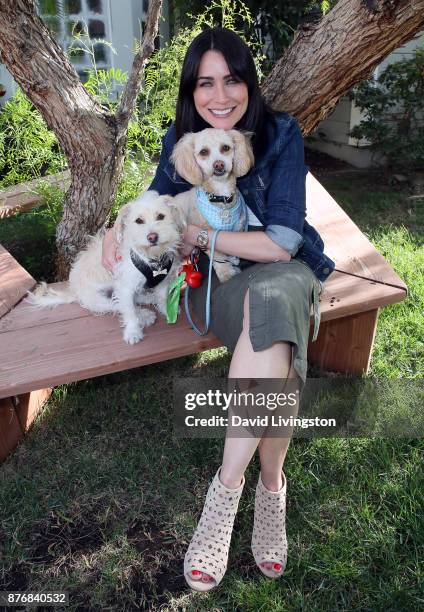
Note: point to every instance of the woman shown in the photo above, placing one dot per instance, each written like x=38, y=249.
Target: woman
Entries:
x=262, y=314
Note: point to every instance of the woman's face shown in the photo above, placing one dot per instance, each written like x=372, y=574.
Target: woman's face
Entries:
x=220, y=99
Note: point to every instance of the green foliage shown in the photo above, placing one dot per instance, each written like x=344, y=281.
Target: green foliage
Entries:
x=28, y=149
x=394, y=109
x=158, y=95
x=30, y=236
x=272, y=24
x=100, y=83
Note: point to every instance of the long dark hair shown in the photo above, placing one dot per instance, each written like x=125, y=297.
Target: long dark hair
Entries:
x=241, y=65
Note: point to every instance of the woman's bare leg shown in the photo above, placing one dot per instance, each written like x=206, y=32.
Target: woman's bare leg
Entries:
x=273, y=362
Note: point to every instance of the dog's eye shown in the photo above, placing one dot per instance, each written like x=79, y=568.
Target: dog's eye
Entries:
x=225, y=148
x=204, y=152
x=160, y=217
x=139, y=220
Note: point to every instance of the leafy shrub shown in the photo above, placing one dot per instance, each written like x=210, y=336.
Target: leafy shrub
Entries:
x=394, y=109
x=28, y=149
x=30, y=236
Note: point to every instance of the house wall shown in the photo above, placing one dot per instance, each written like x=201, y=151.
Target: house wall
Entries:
x=8, y=82
x=331, y=135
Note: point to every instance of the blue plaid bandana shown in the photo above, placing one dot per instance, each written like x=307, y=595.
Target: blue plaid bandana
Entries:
x=231, y=216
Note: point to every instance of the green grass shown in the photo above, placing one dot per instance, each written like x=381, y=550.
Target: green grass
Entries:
x=30, y=236
x=395, y=225
x=101, y=499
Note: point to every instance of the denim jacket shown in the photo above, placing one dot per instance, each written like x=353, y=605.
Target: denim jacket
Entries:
x=274, y=190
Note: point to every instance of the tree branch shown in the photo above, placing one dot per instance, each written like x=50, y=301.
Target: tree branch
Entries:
x=324, y=62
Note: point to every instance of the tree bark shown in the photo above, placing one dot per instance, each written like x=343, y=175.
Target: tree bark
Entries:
x=93, y=140
x=328, y=58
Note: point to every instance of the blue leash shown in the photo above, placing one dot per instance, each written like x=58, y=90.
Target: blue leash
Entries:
x=208, y=294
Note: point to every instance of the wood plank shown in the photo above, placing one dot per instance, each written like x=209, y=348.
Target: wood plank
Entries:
x=90, y=346
x=344, y=295
x=22, y=197
x=344, y=241
x=10, y=430
x=28, y=405
x=14, y=281
x=16, y=416
x=345, y=345
x=30, y=316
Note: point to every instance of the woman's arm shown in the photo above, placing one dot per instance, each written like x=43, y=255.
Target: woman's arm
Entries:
x=285, y=209
x=256, y=246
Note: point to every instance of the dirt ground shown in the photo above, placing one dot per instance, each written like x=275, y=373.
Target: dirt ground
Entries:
x=321, y=163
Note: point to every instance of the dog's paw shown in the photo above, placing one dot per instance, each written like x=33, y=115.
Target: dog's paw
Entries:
x=146, y=317
x=133, y=334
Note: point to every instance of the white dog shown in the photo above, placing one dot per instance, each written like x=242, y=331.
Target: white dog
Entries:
x=148, y=231
x=212, y=160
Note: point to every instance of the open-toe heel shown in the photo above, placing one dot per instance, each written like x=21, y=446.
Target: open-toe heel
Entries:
x=208, y=549
x=269, y=540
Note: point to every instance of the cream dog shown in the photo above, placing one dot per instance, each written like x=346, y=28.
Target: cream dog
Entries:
x=148, y=231
x=212, y=160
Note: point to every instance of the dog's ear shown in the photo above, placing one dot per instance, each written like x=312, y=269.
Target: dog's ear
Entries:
x=120, y=222
x=243, y=152
x=182, y=157
x=179, y=213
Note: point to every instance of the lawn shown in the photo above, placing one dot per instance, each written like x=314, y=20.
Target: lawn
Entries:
x=101, y=499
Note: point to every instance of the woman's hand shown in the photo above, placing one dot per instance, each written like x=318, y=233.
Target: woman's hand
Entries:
x=110, y=251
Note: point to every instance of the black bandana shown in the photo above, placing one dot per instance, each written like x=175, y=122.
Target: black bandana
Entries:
x=155, y=270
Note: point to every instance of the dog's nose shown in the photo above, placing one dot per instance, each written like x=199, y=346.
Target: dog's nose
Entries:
x=152, y=237
x=219, y=165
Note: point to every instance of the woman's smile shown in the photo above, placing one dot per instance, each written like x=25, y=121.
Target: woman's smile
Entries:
x=222, y=113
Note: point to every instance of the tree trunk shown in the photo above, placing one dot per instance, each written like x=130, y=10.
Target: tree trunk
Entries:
x=92, y=139
x=326, y=59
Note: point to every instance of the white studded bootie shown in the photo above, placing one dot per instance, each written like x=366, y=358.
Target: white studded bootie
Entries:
x=208, y=549
x=269, y=540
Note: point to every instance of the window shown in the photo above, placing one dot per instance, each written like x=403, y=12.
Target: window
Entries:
x=65, y=17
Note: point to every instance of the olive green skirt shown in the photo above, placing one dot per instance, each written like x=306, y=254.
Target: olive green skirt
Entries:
x=282, y=295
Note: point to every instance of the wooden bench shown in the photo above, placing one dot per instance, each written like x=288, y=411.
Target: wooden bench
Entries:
x=44, y=348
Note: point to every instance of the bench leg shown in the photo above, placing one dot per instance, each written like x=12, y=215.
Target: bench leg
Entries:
x=10, y=429
x=345, y=345
x=16, y=416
